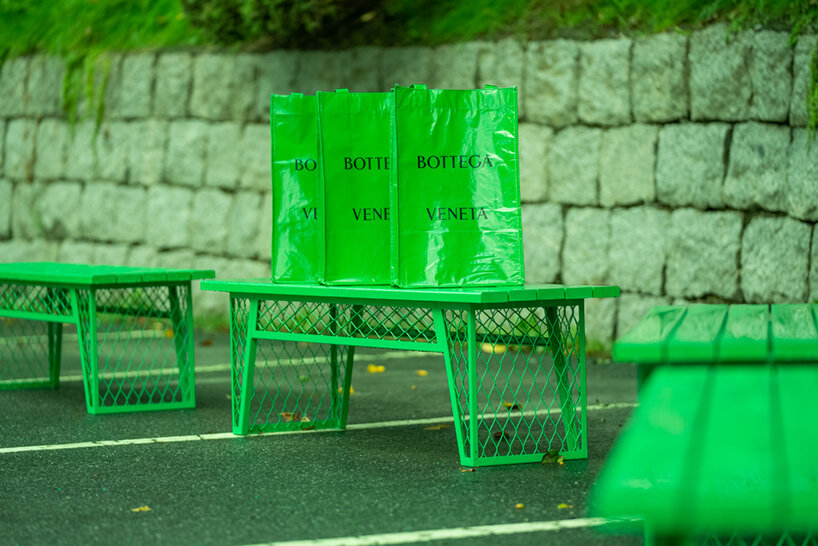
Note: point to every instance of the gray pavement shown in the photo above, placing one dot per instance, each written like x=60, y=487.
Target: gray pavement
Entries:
x=385, y=478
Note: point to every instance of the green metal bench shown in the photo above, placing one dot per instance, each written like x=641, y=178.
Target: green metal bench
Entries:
x=134, y=328
x=704, y=334
x=722, y=448
x=292, y=350
x=719, y=455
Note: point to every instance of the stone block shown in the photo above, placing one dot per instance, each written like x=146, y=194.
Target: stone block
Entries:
x=603, y=94
x=61, y=210
x=2, y=144
x=771, y=75
x=690, y=164
x=703, y=254
x=80, y=151
x=174, y=79
x=224, y=86
x=359, y=69
x=169, y=212
x=502, y=64
x=13, y=76
x=25, y=215
x=255, y=168
x=264, y=245
x=638, y=250
x=573, y=166
x=142, y=256
x=454, y=66
x=76, y=252
x=542, y=242
x=585, y=252
x=184, y=162
x=111, y=254
x=107, y=68
x=223, y=155
x=802, y=57
x=20, y=141
x=658, y=78
x=534, y=141
x=720, y=81
x=813, y=272
x=52, y=135
x=627, y=163
x=6, y=191
x=405, y=66
x=44, y=89
x=318, y=71
x=135, y=93
x=757, y=174
x=18, y=250
x=276, y=74
x=550, y=82
x=801, y=71
x=114, y=213
x=774, y=260
x=147, y=158
x=243, y=225
x=802, y=174
x=632, y=308
x=600, y=319
x=209, y=220
x=113, y=148
x=178, y=259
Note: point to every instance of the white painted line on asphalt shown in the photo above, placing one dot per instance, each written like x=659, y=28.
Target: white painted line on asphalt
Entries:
x=69, y=378
x=454, y=533
x=227, y=435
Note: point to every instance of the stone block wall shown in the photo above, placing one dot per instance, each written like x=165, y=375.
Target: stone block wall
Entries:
x=676, y=166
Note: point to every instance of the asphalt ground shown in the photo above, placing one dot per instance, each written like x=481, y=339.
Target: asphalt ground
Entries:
x=392, y=477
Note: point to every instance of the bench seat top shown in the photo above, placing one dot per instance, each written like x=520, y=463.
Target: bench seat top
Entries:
x=716, y=449
x=722, y=333
x=93, y=275
x=492, y=294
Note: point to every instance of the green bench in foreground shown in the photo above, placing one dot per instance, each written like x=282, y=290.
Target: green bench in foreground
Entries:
x=510, y=406
x=724, y=448
x=134, y=329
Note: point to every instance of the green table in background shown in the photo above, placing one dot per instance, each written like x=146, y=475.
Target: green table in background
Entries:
x=134, y=328
x=723, y=448
x=514, y=356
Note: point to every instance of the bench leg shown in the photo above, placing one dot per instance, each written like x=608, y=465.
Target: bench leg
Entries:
x=84, y=303
x=54, y=352
x=182, y=324
x=248, y=372
x=565, y=384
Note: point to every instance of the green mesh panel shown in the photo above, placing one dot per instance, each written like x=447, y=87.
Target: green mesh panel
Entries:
x=35, y=299
x=353, y=321
x=239, y=307
x=143, y=346
x=786, y=539
x=526, y=381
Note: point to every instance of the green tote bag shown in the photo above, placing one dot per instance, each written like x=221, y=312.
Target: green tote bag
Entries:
x=298, y=215
x=354, y=168
x=455, y=188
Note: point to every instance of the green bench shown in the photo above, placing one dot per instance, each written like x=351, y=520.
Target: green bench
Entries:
x=724, y=444
x=515, y=358
x=134, y=330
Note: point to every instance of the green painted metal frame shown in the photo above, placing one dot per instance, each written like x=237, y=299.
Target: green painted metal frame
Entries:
x=81, y=297
x=247, y=308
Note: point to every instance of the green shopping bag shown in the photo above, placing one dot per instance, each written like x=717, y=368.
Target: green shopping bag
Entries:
x=298, y=215
x=355, y=146
x=455, y=188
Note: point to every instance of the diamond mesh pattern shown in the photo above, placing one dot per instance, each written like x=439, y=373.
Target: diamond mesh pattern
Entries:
x=786, y=539
x=526, y=382
x=344, y=320
x=24, y=349
x=35, y=299
x=136, y=366
x=239, y=307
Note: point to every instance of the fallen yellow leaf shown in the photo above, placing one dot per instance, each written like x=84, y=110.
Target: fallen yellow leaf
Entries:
x=519, y=506
x=511, y=405
x=351, y=390
x=497, y=349
x=437, y=427
x=145, y=508
x=563, y=506
x=414, y=387
x=168, y=332
x=374, y=368
x=422, y=373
